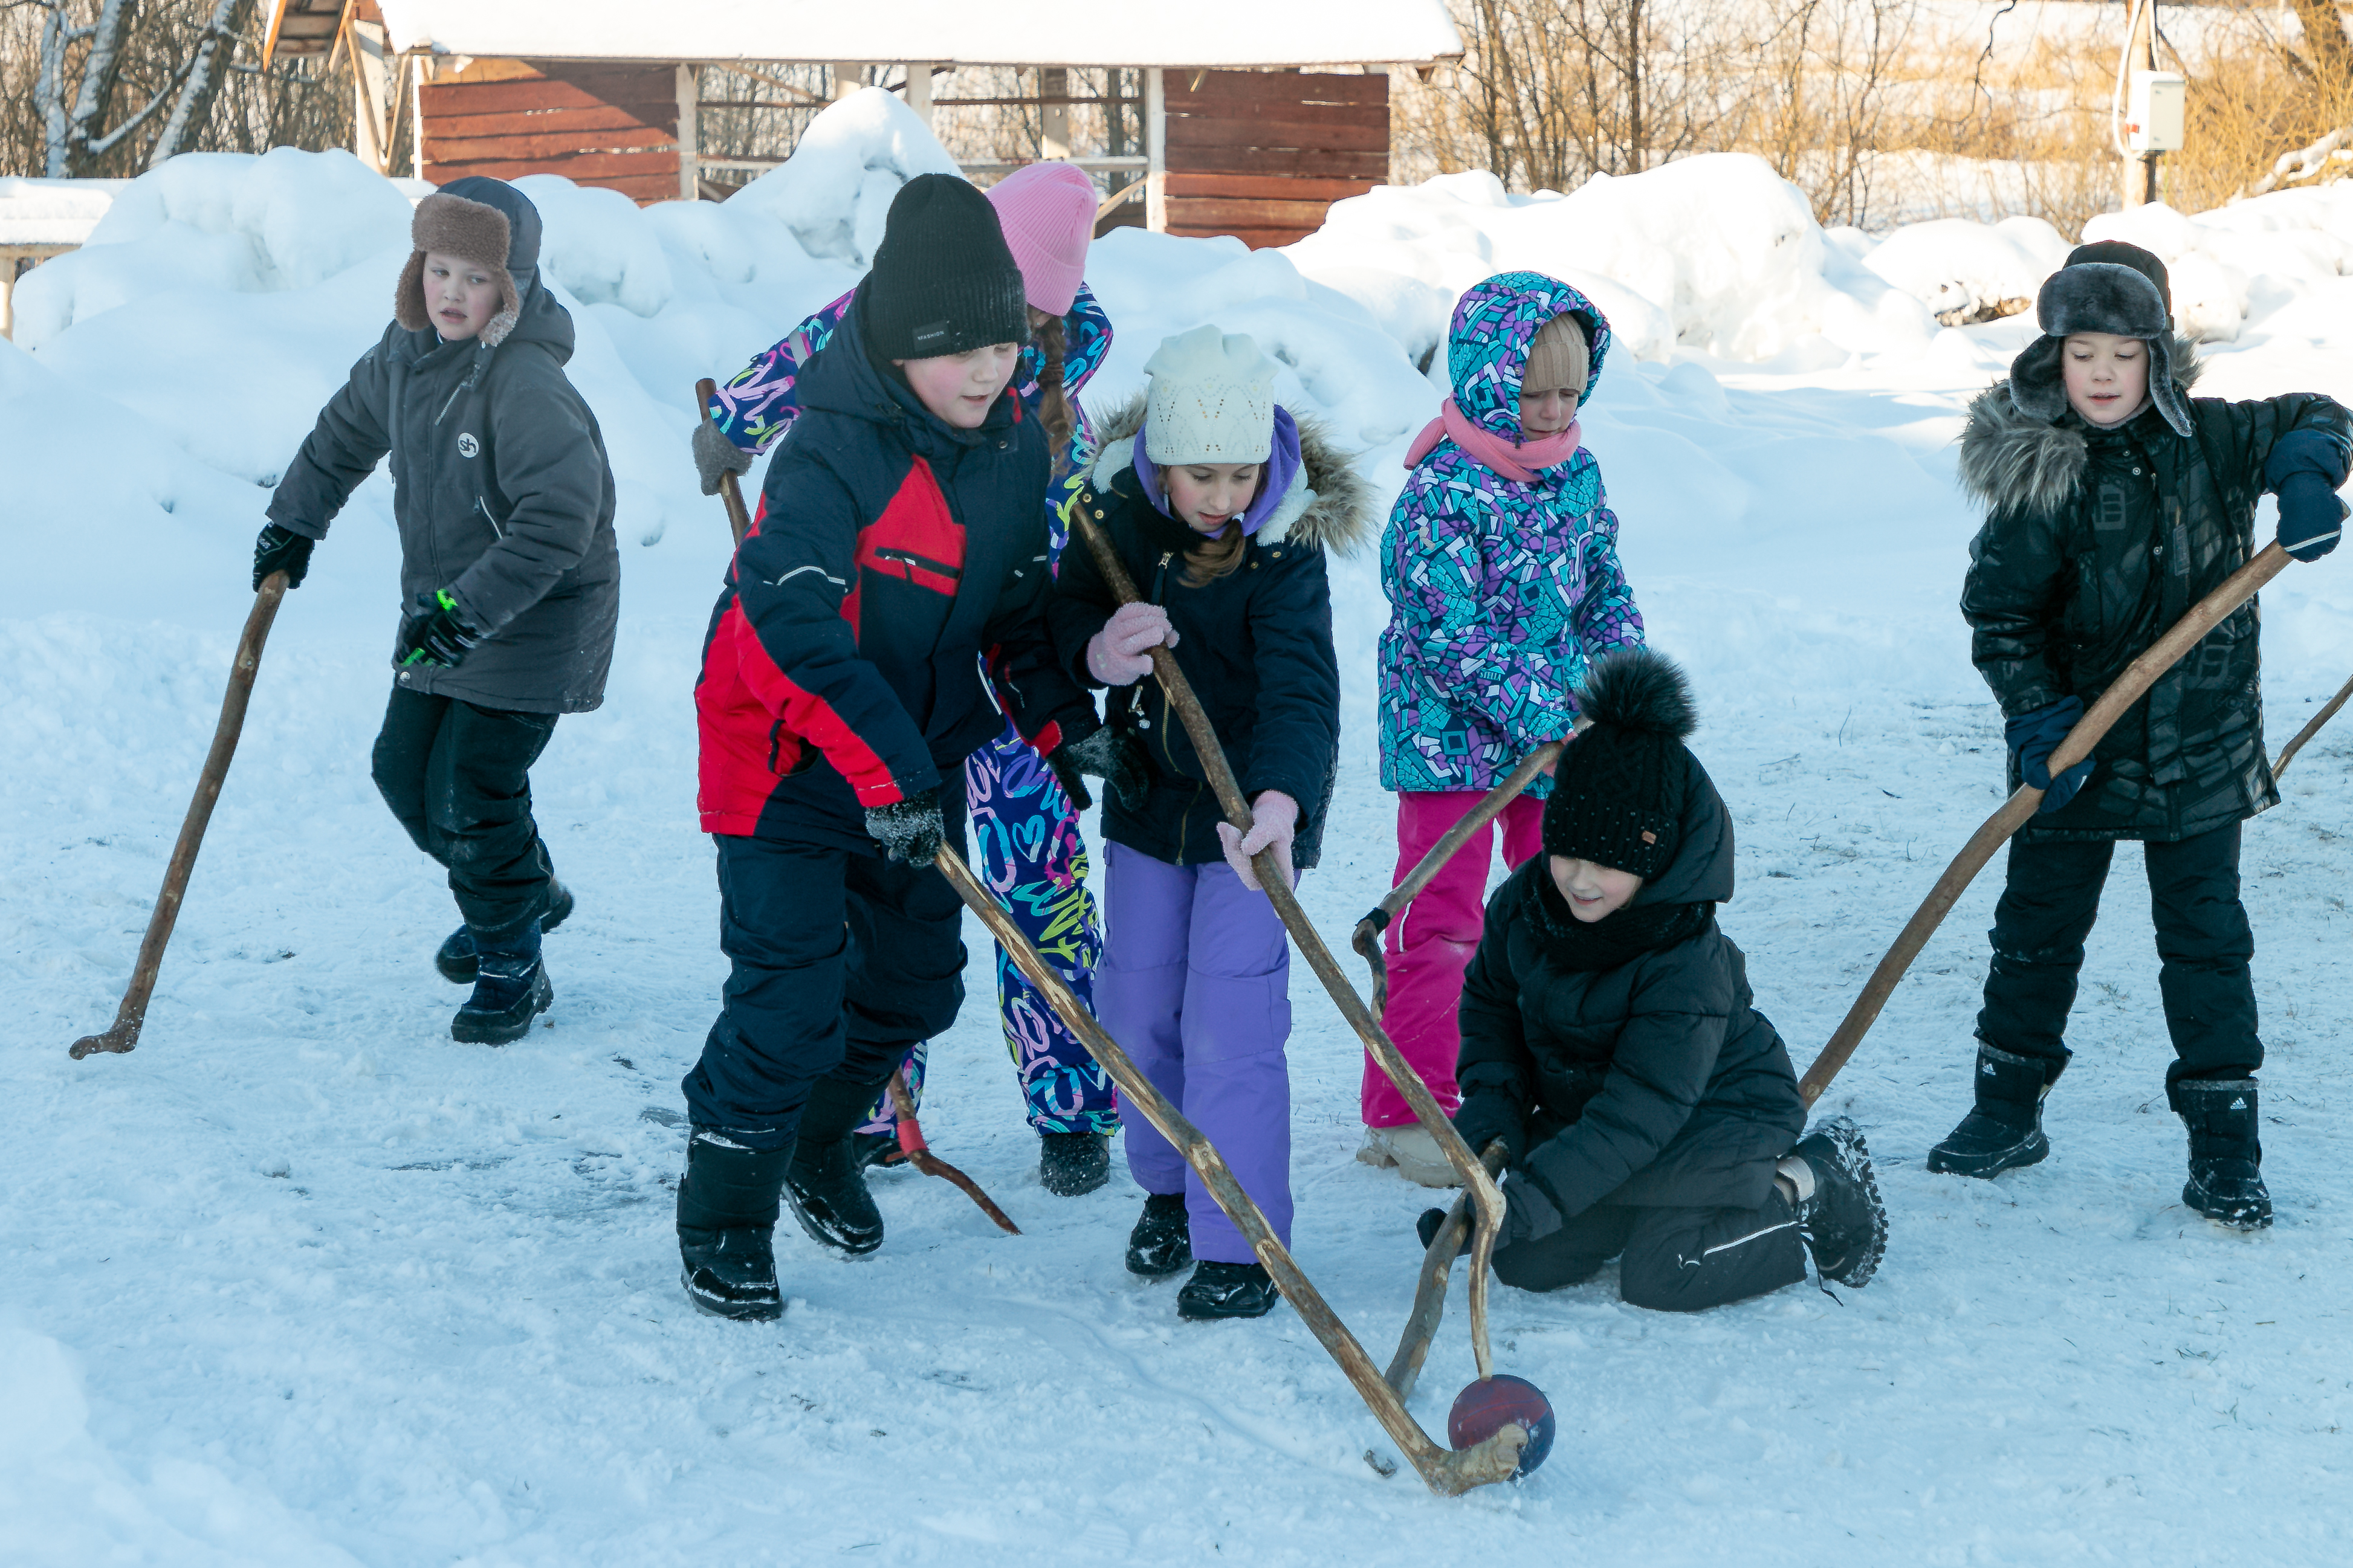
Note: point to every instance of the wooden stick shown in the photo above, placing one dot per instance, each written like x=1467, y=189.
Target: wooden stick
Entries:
x=1449, y=1473
x=1482, y=1186
x=132, y=1016
x=1430, y=1294
x=919, y=1153
x=2312, y=728
x=1366, y=938
x=730, y=491
x=2018, y=809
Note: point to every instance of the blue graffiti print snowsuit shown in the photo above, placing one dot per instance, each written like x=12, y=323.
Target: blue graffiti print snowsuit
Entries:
x=1500, y=593
x=1025, y=830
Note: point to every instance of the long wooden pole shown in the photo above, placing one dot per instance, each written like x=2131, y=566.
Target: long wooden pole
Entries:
x=2311, y=727
x=1485, y=1194
x=132, y=1016
x=1366, y=938
x=2018, y=809
x=1448, y=1472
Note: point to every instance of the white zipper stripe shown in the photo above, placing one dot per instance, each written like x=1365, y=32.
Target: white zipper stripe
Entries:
x=1736, y=1241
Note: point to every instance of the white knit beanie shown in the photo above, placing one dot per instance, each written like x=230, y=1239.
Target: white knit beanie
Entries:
x=1212, y=400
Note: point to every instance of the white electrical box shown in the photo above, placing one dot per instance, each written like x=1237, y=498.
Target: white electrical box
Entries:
x=2153, y=113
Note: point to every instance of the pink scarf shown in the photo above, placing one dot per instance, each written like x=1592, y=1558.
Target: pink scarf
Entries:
x=1517, y=461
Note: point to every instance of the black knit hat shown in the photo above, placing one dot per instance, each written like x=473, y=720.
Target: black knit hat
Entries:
x=1618, y=797
x=943, y=280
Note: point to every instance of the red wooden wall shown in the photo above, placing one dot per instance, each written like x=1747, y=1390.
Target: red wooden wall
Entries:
x=615, y=126
x=1261, y=154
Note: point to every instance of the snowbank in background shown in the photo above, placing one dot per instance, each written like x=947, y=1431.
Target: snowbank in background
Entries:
x=2243, y=260
x=1958, y=268
x=835, y=191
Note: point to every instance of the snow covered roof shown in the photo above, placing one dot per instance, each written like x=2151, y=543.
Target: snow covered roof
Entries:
x=53, y=212
x=951, y=32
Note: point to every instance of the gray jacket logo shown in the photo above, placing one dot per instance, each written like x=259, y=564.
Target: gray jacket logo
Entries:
x=467, y=446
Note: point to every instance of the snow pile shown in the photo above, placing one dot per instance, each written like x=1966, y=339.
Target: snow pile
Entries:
x=835, y=191
x=52, y=212
x=2244, y=259
x=1964, y=271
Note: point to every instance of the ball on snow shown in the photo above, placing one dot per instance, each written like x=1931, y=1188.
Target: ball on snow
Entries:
x=1486, y=1407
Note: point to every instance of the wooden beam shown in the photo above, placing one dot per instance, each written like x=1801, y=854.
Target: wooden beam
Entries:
x=1054, y=112
x=690, y=94
x=1155, y=152
x=919, y=89
x=1268, y=188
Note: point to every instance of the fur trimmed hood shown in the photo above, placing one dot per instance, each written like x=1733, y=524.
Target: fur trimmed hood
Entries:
x=484, y=221
x=1329, y=506
x=2016, y=460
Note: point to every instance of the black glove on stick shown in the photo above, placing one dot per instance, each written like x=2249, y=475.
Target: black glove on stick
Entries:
x=281, y=549
x=908, y=829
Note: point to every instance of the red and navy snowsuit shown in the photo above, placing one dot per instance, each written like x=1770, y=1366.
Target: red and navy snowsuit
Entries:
x=897, y=559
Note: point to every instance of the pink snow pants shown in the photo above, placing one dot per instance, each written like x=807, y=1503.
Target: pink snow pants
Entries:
x=1428, y=947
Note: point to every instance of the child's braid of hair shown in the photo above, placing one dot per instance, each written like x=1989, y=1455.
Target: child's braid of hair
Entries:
x=1053, y=404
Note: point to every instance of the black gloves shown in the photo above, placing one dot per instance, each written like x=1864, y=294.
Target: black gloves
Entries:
x=281, y=549
x=2303, y=470
x=908, y=829
x=1485, y=1116
x=1111, y=754
x=435, y=636
x=2033, y=737
x=715, y=455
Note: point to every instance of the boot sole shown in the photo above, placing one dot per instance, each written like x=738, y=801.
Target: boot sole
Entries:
x=1855, y=1155
x=465, y=971
x=1985, y=1167
x=1173, y=1267
x=478, y=1030
x=1196, y=1312
x=733, y=1312
x=2258, y=1219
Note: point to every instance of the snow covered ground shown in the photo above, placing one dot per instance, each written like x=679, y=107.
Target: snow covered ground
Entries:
x=302, y=1282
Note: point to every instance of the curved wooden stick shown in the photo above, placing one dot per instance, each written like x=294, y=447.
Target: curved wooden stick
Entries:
x=2018, y=809
x=1429, y=1293
x=1482, y=1186
x=1449, y=1472
x=2311, y=727
x=132, y=1016
x=729, y=492
x=919, y=1154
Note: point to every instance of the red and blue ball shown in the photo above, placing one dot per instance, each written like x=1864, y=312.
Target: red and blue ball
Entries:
x=1489, y=1405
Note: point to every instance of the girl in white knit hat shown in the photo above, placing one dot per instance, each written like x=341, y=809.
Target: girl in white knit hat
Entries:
x=1221, y=506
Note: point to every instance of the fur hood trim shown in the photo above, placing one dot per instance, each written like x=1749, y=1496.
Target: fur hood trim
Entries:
x=2012, y=461
x=472, y=231
x=1329, y=507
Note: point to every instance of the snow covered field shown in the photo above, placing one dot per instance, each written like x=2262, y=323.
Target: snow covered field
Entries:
x=302, y=1282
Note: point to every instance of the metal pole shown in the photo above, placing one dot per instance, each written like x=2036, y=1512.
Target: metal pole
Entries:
x=2140, y=168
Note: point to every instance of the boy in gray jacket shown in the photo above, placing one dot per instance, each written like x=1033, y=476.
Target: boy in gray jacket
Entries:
x=509, y=573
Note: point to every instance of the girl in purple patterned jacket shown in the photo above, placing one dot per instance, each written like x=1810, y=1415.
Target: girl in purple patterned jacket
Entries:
x=1501, y=565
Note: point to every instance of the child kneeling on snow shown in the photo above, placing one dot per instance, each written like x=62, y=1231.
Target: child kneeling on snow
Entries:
x=2113, y=503
x=1501, y=565
x=508, y=568
x=1610, y=1040
x=1221, y=507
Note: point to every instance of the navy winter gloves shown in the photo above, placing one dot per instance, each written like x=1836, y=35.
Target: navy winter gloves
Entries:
x=908, y=829
x=435, y=636
x=2033, y=738
x=1111, y=754
x=281, y=549
x=1486, y=1116
x=2303, y=470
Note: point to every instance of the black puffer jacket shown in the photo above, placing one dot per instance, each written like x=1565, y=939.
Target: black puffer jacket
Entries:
x=502, y=495
x=2095, y=542
x=1256, y=645
x=1655, y=1083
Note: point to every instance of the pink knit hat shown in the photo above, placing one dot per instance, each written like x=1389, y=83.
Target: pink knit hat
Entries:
x=1048, y=211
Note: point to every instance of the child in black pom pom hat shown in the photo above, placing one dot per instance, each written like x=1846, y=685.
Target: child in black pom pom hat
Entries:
x=1610, y=1040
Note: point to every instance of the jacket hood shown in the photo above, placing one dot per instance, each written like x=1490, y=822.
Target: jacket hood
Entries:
x=1329, y=505
x=2014, y=460
x=476, y=219
x=1495, y=323
x=1702, y=871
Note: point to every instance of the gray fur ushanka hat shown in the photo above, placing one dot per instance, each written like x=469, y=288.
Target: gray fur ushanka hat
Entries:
x=2121, y=297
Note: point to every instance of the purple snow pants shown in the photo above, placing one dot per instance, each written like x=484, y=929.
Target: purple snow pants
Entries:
x=1194, y=984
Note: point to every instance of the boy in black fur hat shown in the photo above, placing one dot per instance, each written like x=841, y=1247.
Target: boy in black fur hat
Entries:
x=1610, y=1040
x=2115, y=502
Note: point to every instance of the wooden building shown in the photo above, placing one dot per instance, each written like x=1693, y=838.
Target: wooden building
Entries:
x=1239, y=133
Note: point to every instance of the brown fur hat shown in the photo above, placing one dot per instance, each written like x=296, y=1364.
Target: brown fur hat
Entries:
x=451, y=224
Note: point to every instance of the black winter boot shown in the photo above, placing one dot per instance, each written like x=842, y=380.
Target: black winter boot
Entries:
x=510, y=989
x=726, y=1225
x=1162, y=1241
x=1228, y=1290
x=826, y=1181
x=458, y=956
x=877, y=1152
x=2226, y=1150
x=2005, y=1131
x=1070, y=1163
x=1845, y=1224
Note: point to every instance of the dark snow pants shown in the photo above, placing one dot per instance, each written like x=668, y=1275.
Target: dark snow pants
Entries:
x=842, y=961
x=1676, y=1259
x=2203, y=940
x=457, y=777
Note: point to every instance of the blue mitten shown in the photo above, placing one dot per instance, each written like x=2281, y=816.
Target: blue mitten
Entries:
x=2303, y=470
x=2033, y=738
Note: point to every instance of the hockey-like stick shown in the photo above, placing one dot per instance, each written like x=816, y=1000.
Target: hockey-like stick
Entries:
x=1429, y=1292
x=2311, y=727
x=1486, y=1197
x=919, y=1153
x=2018, y=809
x=1366, y=938
x=729, y=492
x=132, y=1016
x=1449, y=1473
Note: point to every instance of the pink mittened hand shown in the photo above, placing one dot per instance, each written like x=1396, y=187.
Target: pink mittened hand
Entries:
x=1274, y=820
x=1121, y=653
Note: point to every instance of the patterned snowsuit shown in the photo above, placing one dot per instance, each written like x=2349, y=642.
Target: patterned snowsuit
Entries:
x=1500, y=594
x=1025, y=830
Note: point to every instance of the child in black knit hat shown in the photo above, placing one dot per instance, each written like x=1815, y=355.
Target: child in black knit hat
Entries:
x=1610, y=1040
